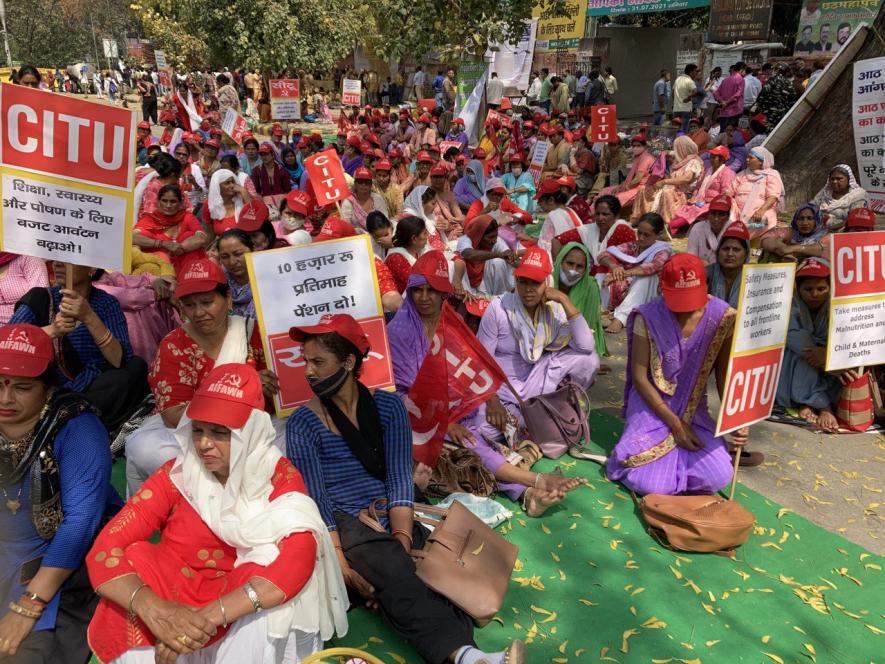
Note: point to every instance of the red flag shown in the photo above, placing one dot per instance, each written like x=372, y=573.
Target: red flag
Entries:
x=327, y=177
x=455, y=359
x=603, y=123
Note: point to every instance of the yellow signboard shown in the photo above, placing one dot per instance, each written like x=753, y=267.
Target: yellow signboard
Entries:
x=561, y=34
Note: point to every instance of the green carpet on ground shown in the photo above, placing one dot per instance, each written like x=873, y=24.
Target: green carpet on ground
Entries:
x=592, y=586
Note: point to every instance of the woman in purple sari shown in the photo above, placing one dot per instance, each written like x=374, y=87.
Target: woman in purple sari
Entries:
x=410, y=333
x=673, y=344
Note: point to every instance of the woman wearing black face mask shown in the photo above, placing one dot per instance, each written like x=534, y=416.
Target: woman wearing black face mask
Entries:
x=354, y=446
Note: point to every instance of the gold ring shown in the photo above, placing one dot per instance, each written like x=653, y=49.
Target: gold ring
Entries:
x=183, y=639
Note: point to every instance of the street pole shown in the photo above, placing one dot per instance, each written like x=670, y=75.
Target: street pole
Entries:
x=5, y=34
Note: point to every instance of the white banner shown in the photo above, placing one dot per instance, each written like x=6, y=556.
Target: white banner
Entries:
x=868, y=111
x=160, y=58
x=350, y=91
x=513, y=62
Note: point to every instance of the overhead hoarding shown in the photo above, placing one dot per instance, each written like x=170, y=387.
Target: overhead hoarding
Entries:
x=824, y=26
x=615, y=7
x=739, y=20
x=561, y=33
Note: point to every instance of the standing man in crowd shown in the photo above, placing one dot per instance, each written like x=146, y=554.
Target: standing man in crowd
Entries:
x=418, y=83
x=611, y=84
x=661, y=93
x=494, y=91
x=596, y=90
x=752, y=88
x=684, y=89
x=580, y=97
x=449, y=90
x=546, y=84
x=730, y=96
x=534, y=91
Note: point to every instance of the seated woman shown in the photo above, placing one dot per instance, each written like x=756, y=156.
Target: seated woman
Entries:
x=637, y=176
x=714, y=184
x=496, y=203
x=249, y=160
x=270, y=179
x=561, y=224
x=575, y=201
x=410, y=333
x=486, y=266
x=669, y=445
x=519, y=183
x=704, y=236
x=606, y=231
x=840, y=196
x=165, y=170
x=362, y=201
x=231, y=163
x=255, y=220
x=55, y=475
x=471, y=186
x=96, y=357
x=170, y=230
x=382, y=231
x=420, y=203
x=806, y=237
x=354, y=446
x=290, y=162
x=244, y=570
x=632, y=279
x=409, y=243
x=295, y=210
x=185, y=357
x=724, y=274
x=18, y=275
x=804, y=383
x=757, y=193
x=226, y=198
x=539, y=338
x=233, y=245
x=571, y=275
x=670, y=193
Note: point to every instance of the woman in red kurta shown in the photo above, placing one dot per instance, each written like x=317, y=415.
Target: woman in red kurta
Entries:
x=228, y=547
x=170, y=231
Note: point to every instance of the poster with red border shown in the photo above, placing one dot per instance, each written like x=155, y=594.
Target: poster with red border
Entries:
x=285, y=99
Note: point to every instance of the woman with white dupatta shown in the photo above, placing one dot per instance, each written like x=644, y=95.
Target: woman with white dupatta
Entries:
x=245, y=569
x=606, y=231
x=421, y=203
x=185, y=357
x=226, y=199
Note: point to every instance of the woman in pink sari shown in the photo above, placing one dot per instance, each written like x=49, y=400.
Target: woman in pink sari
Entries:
x=715, y=183
x=670, y=193
x=757, y=193
x=638, y=174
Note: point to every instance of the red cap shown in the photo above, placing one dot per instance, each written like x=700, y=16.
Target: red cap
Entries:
x=439, y=170
x=365, y=147
x=861, y=218
x=316, y=138
x=479, y=153
x=459, y=121
x=639, y=138
x=720, y=204
x=684, y=283
x=460, y=159
x=423, y=156
x=736, y=229
x=215, y=131
x=614, y=140
x=571, y=114
x=813, y=267
x=517, y=157
x=227, y=396
x=265, y=148
x=383, y=165
x=567, y=181
x=341, y=324
x=362, y=173
x=547, y=187
x=144, y=124
x=248, y=134
x=495, y=185
x=373, y=139
x=528, y=124
x=303, y=143
x=25, y=350
x=424, y=118
x=276, y=130
x=395, y=153
x=433, y=148
x=721, y=151
x=253, y=215
x=433, y=266
x=353, y=141
x=199, y=276
x=760, y=118
x=535, y=265
x=212, y=143
x=336, y=228
x=167, y=116
x=301, y=202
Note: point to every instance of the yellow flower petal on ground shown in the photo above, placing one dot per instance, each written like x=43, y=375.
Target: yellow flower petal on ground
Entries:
x=766, y=638
x=478, y=549
x=711, y=642
x=562, y=576
x=708, y=609
x=675, y=571
x=782, y=511
x=773, y=657
x=554, y=556
x=603, y=655
x=873, y=566
x=545, y=529
x=654, y=623
x=613, y=544
x=626, y=636
x=587, y=602
x=637, y=591
x=769, y=545
x=399, y=659
x=518, y=565
x=691, y=584
x=874, y=630
x=563, y=646
x=375, y=639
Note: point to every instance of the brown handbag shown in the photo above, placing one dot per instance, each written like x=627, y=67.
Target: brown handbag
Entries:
x=705, y=524
x=463, y=559
x=558, y=420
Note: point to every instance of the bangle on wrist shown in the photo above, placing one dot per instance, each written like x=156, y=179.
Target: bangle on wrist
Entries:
x=15, y=607
x=223, y=612
x=34, y=597
x=253, y=596
x=130, y=610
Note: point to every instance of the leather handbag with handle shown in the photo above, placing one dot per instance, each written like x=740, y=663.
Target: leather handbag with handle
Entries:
x=558, y=420
x=463, y=559
x=705, y=524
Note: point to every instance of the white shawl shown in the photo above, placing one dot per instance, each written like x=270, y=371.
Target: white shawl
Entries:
x=216, y=203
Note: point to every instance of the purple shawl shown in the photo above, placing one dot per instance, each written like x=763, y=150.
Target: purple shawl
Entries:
x=408, y=343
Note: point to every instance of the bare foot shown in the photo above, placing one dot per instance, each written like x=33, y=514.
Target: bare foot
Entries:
x=614, y=327
x=807, y=413
x=827, y=421
x=538, y=501
x=421, y=475
x=558, y=484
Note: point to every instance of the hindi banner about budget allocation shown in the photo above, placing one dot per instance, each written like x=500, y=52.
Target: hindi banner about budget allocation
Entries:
x=350, y=91
x=868, y=111
x=66, y=178
x=539, y=156
x=234, y=125
x=297, y=286
x=857, y=301
x=760, y=334
x=285, y=100
x=603, y=123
